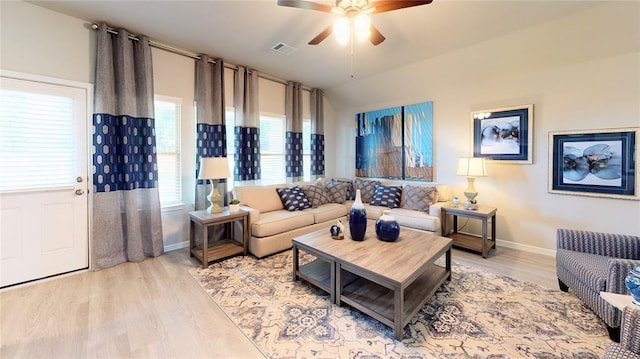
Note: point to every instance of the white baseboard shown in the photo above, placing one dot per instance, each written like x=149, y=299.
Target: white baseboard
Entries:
x=176, y=246
x=526, y=248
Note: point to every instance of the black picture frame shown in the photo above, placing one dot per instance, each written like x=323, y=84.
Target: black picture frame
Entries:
x=597, y=163
x=504, y=135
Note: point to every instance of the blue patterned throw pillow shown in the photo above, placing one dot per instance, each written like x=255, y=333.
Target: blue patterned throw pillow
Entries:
x=293, y=198
x=388, y=196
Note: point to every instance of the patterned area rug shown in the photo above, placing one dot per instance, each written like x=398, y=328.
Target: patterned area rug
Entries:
x=475, y=315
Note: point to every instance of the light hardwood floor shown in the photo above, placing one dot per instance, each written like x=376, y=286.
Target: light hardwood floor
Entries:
x=155, y=309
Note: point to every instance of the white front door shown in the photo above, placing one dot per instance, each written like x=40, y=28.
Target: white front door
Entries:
x=43, y=178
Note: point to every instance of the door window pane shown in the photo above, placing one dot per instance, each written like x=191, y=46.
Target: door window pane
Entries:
x=36, y=139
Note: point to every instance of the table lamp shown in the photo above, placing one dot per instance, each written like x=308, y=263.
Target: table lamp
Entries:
x=471, y=167
x=214, y=169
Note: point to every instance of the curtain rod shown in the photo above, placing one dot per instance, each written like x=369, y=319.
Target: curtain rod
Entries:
x=191, y=54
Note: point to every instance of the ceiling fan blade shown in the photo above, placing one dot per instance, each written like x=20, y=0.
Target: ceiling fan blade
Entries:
x=389, y=5
x=305, y=5
x=321, y=36
x=376, y=37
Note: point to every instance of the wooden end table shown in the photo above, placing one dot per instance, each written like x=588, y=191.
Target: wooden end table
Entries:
x=469, y=241
x=223, y=248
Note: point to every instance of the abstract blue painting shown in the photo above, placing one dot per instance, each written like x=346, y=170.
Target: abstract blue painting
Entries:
x=396, y=142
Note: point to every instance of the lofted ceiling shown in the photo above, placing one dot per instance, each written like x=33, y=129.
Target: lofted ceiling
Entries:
x=242, y=32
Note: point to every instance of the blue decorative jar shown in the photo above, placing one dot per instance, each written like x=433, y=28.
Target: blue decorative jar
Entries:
x=387, y=229
x=632, y=281
x=357, y=219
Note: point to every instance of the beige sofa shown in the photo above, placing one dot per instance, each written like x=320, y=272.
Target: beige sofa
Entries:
x=272, y=227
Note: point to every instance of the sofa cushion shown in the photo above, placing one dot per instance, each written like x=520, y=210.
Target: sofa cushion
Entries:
x=590, y=269
x=276, y=222
x=327, y=212
x=416, y=219
x=337, y=191
x=262, y=198
x=316, y=194
x=388, y=196
x=367, y=189
x=373, y=212
x=418, y=198
x=293, y=198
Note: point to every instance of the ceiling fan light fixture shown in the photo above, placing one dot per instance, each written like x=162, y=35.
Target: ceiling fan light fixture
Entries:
x=342, y=30
x=362, y=26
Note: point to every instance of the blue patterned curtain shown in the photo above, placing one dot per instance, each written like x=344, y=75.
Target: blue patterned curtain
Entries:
x=247, y=125
x=317, y=134
x=293, y=141
x=126, y=222
x=211, y=138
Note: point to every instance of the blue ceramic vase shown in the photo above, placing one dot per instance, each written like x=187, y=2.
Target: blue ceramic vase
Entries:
x=357, y=219
x=387, y=229
x=632, y=281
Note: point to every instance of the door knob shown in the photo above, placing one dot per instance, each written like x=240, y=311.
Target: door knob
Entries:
x=79, y=192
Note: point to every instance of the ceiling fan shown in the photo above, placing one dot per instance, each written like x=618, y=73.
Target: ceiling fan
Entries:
x=353, y=13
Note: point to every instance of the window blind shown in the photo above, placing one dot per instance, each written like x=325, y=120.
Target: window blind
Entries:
x=272, y=149
x=167, y=119
x=36, y=140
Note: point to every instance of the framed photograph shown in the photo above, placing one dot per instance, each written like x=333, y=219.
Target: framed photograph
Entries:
x=504, y=134
x=599, y=163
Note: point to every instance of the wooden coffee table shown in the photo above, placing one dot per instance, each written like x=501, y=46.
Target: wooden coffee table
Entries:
x=389, y=281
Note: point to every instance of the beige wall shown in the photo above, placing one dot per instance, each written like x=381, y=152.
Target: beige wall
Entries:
x=174, y=75
x=38, y=41
x=579, y=72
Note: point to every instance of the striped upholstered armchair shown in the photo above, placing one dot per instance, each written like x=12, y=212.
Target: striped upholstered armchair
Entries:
x=592, y=262
x=629, y=346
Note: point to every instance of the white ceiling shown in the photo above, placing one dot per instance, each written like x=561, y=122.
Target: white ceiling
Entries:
x=242, y=32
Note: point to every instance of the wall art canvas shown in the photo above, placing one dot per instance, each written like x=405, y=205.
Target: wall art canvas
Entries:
x=598, y=163
x=396, y=142
x=504, y=134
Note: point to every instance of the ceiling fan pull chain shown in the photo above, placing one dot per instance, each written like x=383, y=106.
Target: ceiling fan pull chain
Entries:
x=351, y=56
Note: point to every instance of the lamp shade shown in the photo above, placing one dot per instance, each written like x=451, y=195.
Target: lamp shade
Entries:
x=471, y=167
x=342, y=30
x=213, y=168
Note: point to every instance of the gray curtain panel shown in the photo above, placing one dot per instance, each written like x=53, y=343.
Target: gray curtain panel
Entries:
x=247, y=126
x=293, y=141
x=317, y=134
x=211, y=137
x=126, y=205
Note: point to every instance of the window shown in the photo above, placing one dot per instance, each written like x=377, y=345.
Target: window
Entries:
x=272, y=149
x=306, y=149
x=39, y=143
x=167, y=112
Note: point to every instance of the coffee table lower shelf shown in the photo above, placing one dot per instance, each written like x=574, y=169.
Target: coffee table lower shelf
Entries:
x=378, y=301
x=318, y=273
